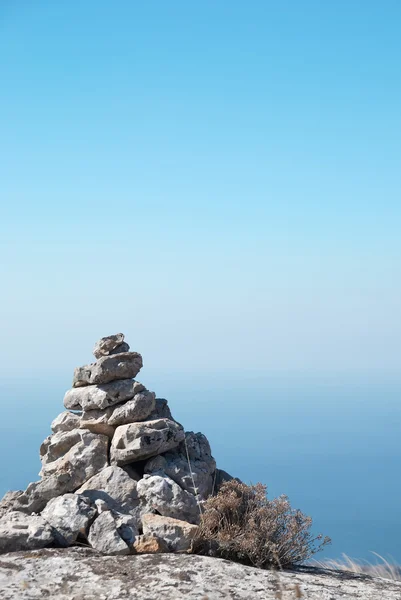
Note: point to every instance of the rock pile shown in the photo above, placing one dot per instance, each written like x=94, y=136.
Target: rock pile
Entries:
x=118, y=472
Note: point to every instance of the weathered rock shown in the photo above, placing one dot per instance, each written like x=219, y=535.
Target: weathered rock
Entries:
x=149, y=544
x=138, y=441
x=38, y=493
x=104, y=537
x=177, y=534
x=77, y=573
x=67, y=473
x=80, y=453
x=97, y=421
x=111, y=344
x=8, y=501
x=108, y=368
x=115, y=488
x=137, y=409
x=93, y=397
x=167, y=498
x=57, y=445
x=190, y=463
x=66, y=421
x=117, y=492
x=70, y=516
x=23, y=532
x=161, y=410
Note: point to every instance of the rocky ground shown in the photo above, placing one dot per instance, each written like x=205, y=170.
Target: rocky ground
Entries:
x=83, y=574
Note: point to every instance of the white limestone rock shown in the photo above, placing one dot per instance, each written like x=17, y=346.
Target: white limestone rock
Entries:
x=19, y=531
x=125, y=365
x=137, y=409
x=70, y=516
x=92, y=397
x=115, y=488
x=78, y=452
x=66, y=421
x=167, y=498
x=65, y=468
x=138, y=441
x=97, y=421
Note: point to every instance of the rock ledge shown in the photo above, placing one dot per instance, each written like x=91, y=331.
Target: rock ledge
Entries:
x=81, y=574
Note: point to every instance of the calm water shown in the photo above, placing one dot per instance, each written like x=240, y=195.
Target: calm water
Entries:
x=333, y=445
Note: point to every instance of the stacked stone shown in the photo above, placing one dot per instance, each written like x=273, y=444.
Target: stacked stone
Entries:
x=118, y=472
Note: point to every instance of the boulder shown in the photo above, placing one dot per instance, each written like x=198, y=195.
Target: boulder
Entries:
x=66, y=421
x=70, y=516
x=24, y=532
x=108, y=368
x=137, y=409
x=104, y=537
x=138, y=441
x=66, y=473
x=111, y=344
x=149, y=544
x=93, y=397
x=82, y=459
x=199, y=470
x=57, y=445
x=177, y=534
x=115, y=488
x=162, y=494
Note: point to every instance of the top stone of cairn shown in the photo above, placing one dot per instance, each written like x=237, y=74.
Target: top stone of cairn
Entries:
x=112, y=344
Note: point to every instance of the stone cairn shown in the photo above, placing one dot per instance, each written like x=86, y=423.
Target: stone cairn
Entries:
x=119, y=474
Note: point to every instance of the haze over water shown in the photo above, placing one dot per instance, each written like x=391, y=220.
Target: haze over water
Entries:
x=220, y=182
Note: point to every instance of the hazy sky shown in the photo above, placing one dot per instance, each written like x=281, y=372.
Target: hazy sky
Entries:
x=219, y=180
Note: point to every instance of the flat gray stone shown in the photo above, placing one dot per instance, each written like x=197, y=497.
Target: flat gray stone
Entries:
x=125, y=365
x=138, y=441
x=94, y=397
x=137, y=409
x=23, y=532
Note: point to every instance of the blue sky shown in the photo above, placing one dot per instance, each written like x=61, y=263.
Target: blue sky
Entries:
x=220, y=180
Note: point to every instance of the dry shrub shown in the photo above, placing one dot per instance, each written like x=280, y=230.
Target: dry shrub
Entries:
x=241, y=524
